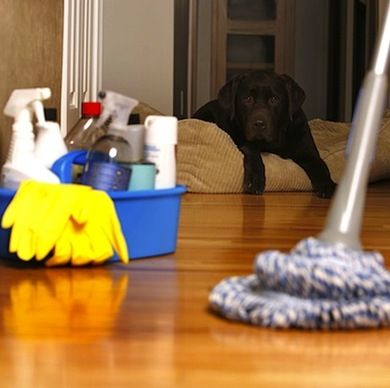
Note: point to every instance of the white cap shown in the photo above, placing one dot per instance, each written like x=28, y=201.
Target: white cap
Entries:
x=161, y=130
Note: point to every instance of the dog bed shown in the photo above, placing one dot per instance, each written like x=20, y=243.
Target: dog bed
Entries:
x=209, y=162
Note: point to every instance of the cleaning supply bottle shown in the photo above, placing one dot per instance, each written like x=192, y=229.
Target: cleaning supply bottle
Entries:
x=22, y=162
x=49, y=144
x=160, y=142
x=85, y=132
x=108, y=161
x=135, y=135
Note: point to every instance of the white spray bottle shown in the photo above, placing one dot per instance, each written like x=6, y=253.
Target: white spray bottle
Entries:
x=117, y=108
x=49, y=145
x=21, y=162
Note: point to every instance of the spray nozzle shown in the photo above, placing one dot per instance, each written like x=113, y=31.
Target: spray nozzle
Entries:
x=116, y=106
x=23, y=102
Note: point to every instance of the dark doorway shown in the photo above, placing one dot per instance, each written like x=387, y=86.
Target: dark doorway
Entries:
x=352, y=34
x=350, y=29
x=181, y=48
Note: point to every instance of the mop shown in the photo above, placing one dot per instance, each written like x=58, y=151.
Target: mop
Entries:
x=325, y=282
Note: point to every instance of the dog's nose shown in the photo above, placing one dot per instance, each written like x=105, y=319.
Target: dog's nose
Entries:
x=259, y=124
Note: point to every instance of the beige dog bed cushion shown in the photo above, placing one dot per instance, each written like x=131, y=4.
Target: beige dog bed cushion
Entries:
x=209, y=162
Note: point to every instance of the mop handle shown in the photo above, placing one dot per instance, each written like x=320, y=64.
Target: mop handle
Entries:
x=344, y=219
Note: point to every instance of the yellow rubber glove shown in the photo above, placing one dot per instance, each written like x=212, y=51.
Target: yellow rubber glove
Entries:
x=79, y=223
x=106, y=218
x=93, y=241
x=63, y=202
x=38, y=214
x=21, y=214
x=81, y=245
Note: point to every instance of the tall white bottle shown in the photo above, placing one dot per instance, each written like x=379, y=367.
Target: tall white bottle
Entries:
x=160, y=144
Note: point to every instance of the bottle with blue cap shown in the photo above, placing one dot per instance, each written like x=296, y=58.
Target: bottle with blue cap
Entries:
x=107, y=165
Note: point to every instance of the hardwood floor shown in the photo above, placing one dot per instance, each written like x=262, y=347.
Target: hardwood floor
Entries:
x=148, y=324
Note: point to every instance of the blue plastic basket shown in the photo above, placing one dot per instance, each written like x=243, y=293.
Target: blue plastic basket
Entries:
x=149, y=218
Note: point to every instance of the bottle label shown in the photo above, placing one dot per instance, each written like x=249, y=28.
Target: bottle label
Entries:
x=164, y=159
x=107, y=176
x=152, y=153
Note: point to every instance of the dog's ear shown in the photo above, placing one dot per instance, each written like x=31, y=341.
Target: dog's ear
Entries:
x=227, y=94
x=296, y=95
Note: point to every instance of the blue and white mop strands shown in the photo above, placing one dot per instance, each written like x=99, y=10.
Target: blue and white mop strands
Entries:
x=316, y=285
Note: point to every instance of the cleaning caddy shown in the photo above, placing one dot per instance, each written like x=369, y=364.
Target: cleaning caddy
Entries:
x=47, y=218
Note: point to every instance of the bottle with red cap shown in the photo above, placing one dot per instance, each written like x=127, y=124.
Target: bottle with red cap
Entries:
x=85, y=132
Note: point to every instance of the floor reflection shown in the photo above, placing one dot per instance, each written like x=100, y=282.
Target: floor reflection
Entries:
x=70, y=305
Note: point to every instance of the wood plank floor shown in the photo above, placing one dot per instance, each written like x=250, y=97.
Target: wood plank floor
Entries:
x=148, y=324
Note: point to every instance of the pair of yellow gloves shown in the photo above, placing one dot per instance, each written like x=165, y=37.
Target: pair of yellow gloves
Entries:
x=75, y=224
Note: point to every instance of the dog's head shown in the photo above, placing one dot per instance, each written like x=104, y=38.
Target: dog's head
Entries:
x=262, y=103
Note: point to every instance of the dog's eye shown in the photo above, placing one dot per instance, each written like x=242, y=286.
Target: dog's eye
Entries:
x=248, y=100
x=274, y=100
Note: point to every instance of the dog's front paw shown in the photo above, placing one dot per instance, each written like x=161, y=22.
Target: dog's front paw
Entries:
x=325, y=190
x=254, y=171
x=254, y=184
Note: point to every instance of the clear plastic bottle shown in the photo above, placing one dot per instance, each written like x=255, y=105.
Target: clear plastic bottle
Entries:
x=107, y=165
x=85, y=133
x=108, y=160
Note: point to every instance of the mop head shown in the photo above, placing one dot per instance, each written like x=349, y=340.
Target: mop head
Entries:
x=315, y=286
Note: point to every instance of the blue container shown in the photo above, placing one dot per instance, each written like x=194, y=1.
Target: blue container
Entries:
x=6, y=196
x=149, y=218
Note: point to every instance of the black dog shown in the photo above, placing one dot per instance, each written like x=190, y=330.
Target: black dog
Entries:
x=261, y=111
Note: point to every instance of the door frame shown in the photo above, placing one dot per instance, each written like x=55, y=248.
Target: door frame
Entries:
x=181, y=61
x=81, y=58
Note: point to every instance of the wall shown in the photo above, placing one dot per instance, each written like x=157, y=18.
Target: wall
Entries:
x=311, y=54
x=138, y=50
x=31, y=48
